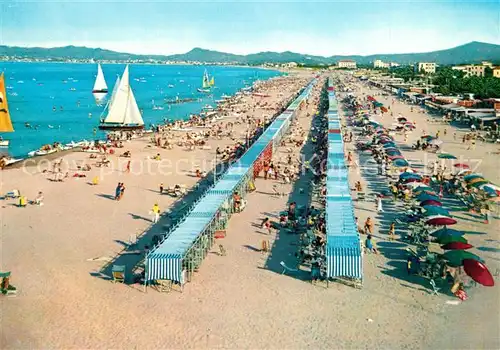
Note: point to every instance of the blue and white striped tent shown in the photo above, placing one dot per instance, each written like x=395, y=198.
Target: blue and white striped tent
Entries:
x=166, y=260
x=343, y=248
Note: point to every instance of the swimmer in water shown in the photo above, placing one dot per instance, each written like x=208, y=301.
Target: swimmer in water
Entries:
x=54, y=108
x=61, y=108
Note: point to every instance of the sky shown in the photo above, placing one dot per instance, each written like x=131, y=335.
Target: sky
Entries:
x=312, y=27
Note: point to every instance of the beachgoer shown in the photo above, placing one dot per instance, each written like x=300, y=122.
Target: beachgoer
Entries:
x=127, y=169
x=358, y=186
x=117, y=191
x=379, y=204
x=370, y=245
x=236, y=202
x=267, y=225
x=368, y=225
x=39, y=199
x=156, y=213
x=122, y=191
x=161, y=188
x=392, y=231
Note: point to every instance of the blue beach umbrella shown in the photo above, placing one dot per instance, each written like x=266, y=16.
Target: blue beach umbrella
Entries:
x=472, y=177
x=446, y=156
x=427, y=197
x=447, y=231
x=408, y=175
x=389, y=145
x=400, y=163
x=435, y=210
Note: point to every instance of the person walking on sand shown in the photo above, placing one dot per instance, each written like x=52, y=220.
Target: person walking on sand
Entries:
x=392, y=231
x=379, y=204
x=127, y=168
x=161, y=188
x=122, y=191
x=156, y=213
x=117, y=191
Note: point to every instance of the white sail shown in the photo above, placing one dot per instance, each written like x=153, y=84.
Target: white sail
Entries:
x=113, y=94
x=100, y=83
x=123, y=108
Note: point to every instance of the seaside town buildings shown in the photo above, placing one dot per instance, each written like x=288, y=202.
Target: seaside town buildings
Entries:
x=382, y=64
x=427, y=67
x=349, y=64
x=496, y=72
x=478, y=70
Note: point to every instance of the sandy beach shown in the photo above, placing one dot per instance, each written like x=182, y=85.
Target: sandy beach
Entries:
x=241, y=300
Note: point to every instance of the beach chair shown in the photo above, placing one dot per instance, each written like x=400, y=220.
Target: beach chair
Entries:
x=164, y=286
x=5, y=287
x=435, y=290
x=286, y=268
x=265, y=246
x=118, y=272
x=132, y=240
x=222, y=250
x=12, y=194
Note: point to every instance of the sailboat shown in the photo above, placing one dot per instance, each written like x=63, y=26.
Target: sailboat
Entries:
x=100, y=84
x=123, y=112
x=207, y=83
x=5, y=122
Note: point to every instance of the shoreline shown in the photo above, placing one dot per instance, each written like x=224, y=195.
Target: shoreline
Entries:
x=25, y=157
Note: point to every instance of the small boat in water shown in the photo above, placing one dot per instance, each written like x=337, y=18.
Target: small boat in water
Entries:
x=123, y=112
x=170, y=86
x=72, y=89
x=100, y=83
x=5, y=122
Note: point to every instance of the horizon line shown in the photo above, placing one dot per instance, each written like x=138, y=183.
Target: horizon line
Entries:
x=260, y=52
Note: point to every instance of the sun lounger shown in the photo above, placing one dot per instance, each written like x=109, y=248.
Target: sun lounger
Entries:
x=435, y=290
x=118, y=272
x=164, y=286
x=12, y=194
x=286, y=268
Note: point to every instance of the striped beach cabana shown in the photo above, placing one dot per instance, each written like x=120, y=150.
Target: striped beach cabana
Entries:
x=343, y=248
x=188, y=243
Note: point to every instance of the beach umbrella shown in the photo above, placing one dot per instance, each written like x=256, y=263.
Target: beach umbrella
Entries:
x=445, y=239
x=473, y=176
x=419, y=186
x=478, y=184
x=410, y=126
x=435, y=210
x=440, y=220
x=447, y=232
x=446, y=156
x=431, y=202
x=402, y=119
x=428, y=192
x=464, y=172
x=477, y=179
x=456, y=246
x=396, y=156
x=385, y=140
x=491, y=189
x=408, y=174
x=456, y=257
x=389, y=145
x=425, y=136
x=392, y=151
x=427, y=197
x=478, y=272
x=462, y=166
x=400, y=163
x=435, y=142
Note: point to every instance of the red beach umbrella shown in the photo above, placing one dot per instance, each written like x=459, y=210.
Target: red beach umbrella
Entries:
x=396, y=156
x=462, y=166
x=456, y=246
x=440, y=220
x=431, y=202
x=478, y=272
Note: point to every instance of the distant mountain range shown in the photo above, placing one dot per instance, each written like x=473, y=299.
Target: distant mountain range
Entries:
x=473, y=52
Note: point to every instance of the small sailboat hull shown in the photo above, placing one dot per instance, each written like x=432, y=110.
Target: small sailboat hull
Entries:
x=203, y=90
x=100, y=91
x=115, y=127
x=4, y=143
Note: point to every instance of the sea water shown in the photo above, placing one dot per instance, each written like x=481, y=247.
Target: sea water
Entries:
x=51, y=102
